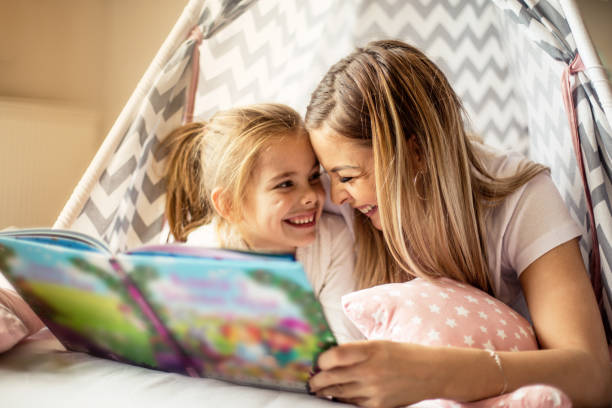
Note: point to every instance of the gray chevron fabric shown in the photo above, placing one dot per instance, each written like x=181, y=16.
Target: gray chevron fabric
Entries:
x=542, y=46
x=504, y=58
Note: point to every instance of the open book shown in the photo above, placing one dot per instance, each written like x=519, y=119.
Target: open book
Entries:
x=247, y=318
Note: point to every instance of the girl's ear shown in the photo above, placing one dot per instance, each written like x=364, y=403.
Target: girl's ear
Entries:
x=221, y=203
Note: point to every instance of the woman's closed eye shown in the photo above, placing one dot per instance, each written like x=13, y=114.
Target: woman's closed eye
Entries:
x=345, y=179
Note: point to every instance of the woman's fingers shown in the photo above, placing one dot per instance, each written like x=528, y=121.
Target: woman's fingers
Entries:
x=339, y=376
x=344, y=391
x=344, y=355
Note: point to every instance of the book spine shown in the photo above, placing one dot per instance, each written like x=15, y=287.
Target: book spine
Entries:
x=148, y=311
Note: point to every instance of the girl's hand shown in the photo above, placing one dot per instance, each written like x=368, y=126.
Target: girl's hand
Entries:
x=379, y=373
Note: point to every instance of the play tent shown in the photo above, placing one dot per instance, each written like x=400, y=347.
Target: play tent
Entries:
x=525, y=69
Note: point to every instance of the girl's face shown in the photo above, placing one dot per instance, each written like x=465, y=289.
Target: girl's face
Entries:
x=284, y=197
x=351, y=170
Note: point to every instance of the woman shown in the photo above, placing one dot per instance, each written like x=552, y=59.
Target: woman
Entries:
x=389, y=130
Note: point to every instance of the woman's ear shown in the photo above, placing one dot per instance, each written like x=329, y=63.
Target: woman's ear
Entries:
x=416, y=151
x=221, y=203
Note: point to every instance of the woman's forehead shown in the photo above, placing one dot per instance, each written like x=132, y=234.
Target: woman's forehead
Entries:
x=334, y=149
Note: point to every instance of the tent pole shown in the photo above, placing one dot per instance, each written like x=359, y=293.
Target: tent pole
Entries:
x=83, y=190
x=593, y=67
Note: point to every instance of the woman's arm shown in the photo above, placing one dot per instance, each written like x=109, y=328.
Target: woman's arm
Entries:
x=575, y=356
x=568, y=324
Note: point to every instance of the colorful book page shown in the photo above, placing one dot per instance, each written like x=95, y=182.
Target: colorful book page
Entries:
x=84, y=302
x=255, y=323
x=182, y=250
x=68, y=238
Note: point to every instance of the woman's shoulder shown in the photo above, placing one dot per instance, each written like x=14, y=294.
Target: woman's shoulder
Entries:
x=499, y=162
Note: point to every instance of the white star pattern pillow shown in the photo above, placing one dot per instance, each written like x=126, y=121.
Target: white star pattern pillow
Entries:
x=438, y=313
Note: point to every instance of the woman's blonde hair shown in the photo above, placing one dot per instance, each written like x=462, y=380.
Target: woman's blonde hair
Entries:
x=220, y=153
x=389, y=96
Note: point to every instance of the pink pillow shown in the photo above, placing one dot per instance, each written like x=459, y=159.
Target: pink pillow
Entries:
x=438, y=313
x=529, y=396
x=17, y=320
x=12, y=329
x=448, y=313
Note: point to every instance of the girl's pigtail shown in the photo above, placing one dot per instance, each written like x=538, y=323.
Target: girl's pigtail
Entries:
x=187, y=207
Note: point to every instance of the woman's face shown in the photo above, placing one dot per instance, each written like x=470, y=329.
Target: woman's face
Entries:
x=351, y=170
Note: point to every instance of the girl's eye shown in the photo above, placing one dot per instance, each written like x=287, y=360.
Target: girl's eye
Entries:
x=345, y=179
x=285, y=184
x=315, y=176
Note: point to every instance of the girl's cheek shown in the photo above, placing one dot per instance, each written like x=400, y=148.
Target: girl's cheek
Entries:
x=320, y=193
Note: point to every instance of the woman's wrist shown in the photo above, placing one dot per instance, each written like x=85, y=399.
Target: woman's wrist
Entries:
x=471, y=374
x=500, y=366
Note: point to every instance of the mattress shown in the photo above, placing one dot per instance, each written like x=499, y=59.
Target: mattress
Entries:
x=40, y=372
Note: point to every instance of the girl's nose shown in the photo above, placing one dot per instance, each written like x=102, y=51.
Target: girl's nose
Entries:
x=310, y=196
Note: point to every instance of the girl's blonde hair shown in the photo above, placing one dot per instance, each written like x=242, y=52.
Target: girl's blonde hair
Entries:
x=389, y=96
x=220, y=153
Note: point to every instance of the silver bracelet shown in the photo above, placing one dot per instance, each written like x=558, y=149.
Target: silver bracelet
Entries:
x=497, y=360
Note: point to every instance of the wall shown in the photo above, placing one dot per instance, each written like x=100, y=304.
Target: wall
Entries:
x=597, y=15
x=67, y=68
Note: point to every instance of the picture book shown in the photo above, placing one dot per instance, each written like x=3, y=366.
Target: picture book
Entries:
x=242, y=317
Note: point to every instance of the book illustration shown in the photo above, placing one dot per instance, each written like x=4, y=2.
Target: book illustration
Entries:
x=257, y=322
x=247, y=319
x=85, y=304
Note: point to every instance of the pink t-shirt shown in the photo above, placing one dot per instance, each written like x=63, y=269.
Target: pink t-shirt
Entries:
x=527, y=224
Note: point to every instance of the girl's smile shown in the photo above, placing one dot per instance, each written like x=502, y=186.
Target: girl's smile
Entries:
x=303, y=221
x=284, y=199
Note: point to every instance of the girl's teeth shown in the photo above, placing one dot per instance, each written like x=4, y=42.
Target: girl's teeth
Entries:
x=302, y=220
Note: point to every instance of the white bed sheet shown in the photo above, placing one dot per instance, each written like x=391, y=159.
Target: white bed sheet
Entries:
x=39, y=372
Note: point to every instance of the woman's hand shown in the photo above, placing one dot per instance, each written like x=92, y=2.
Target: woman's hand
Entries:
x=380, y=373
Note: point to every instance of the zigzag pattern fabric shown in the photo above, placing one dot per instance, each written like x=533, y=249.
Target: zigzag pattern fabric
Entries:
x=277, y=51
x=505, y=62
x=125, y=207
x=542, y=47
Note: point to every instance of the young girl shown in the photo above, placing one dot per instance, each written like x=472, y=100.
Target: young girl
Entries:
x=249, y=179
x=388, y=128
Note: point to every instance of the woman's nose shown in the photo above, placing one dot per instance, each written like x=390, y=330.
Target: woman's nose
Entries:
x=338, y=194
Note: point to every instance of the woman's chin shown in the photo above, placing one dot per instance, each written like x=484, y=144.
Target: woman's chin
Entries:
x=375, y=220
